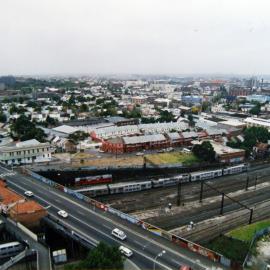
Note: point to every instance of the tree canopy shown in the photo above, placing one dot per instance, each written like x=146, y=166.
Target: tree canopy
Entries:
x=78, y=136
x=204, y=151
x=99, y=258
x=166, y=116
x=252, y=136
x=24, y=129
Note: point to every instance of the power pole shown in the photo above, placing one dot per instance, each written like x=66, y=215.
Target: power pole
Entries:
x=222, y=204
x=179, y=193
x=201, y=192
x=247, y=182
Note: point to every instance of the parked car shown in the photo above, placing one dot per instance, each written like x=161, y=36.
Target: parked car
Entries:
x=139, y=154
x=62, y=213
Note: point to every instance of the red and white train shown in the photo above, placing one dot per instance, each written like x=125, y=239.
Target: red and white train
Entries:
x=93, y=180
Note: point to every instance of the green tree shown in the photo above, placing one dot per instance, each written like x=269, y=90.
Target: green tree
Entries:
x=191, y=121
x=78, y=136
x=99, y=258
x=24, y=129
x=253, y=135
x=3, y=117
x=166, y=116
x=84, y=108
x=256, y=109
x=51, y=121
x=204, y=151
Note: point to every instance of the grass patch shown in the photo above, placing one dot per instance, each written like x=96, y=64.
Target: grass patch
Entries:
x=175, y=157
x=231, y=248
x=246, y=233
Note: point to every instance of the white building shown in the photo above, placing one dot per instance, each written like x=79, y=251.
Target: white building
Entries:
x=26, y=152
x=257, y=122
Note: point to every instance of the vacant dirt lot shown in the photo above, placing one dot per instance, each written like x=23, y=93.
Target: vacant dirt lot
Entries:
x=175, y=157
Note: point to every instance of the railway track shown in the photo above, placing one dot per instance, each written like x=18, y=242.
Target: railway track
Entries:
x=160, y=197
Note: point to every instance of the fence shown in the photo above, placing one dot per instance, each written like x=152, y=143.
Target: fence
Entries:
x=146, y=226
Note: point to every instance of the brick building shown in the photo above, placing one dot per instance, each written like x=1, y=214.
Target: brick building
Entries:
x=137, y=143
x=29, y=213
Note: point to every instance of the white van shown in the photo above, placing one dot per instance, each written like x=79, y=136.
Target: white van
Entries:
x=119, y=234
x=125, y=251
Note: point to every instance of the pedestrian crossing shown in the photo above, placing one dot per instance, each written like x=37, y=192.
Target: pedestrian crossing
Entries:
x=2, y=175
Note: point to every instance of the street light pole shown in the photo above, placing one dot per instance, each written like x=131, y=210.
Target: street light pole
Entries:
x=158, y=255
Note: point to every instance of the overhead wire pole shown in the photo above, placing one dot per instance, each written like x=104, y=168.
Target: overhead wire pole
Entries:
x=244, y=206
x=179, y=193
x=247, y=182
x=201, y=192
x=222, y=203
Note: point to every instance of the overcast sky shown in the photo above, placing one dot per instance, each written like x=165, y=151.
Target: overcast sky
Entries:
x=134, y=36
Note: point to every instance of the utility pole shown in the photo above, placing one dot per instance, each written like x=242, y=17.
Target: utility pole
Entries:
x=250, y=217
x=179, y=193
x=247, y=182
x=222, y=204
x=255, y=184
x=201, y=192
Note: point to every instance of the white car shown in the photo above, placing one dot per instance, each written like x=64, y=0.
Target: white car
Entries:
x=29, y=193
x=62, y=213
x=139, y=154
x=119, y=234
x=125, y=251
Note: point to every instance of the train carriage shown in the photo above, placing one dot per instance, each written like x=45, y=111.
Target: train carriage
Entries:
x=10, y=249
x=197, y=176
x=235, y=169
x=94, y=191
x=129, y=187
x=170, y=181
x=93, y=180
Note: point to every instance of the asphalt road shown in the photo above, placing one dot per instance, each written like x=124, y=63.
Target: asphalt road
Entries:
x=96, y=225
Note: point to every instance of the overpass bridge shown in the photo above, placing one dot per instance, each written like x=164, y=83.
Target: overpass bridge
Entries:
x=95, y=225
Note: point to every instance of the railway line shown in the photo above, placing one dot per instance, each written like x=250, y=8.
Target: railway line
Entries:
x=160, y=197
x=172, y=220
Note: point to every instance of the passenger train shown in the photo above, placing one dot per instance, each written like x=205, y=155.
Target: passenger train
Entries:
x=161, y=182
x=10, y=249
x=93, y=180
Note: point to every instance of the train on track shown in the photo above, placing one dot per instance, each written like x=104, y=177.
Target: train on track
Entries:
x=126, y=187
x=93, y=180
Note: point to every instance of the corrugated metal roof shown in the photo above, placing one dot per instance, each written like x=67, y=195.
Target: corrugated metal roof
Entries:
x=174, y=136
x=144, y=139
x=190, y=134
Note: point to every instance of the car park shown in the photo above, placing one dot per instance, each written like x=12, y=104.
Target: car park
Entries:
x=125, y=251
x=119, y=234
x=29, y=193
x=62, y=213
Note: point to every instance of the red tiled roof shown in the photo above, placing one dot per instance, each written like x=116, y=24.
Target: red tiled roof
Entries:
x=26, y=207
x=7, y=196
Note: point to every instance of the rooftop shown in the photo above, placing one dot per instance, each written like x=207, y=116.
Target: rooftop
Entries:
x=27, y=207
x=144, y=139
x=7, y=196
x=65, y=129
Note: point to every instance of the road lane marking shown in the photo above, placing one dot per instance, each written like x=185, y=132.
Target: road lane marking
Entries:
x=106, y=226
